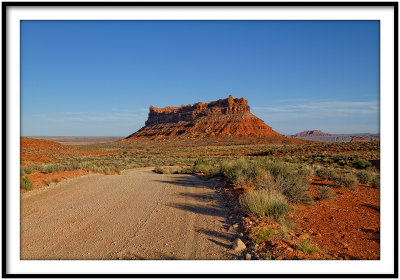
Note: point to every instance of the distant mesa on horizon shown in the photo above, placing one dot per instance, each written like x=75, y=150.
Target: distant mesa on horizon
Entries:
x=224, y=118
x=318, y=135
x=308, y=133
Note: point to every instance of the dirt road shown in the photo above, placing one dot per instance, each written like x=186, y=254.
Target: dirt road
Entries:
x=136, y=215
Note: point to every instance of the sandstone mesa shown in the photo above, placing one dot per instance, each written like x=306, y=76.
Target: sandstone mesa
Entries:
x=223, y=118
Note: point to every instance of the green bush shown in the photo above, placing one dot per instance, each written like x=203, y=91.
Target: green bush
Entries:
x=264, y=203
x=364, y=176
x=347, y=181
x=325, y=192
x=326, y=173
x=261, y=234
x=201, y=165
x=361, y=163
x=26, y=184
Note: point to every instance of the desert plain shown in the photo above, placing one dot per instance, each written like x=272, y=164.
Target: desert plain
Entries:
x=202, y=181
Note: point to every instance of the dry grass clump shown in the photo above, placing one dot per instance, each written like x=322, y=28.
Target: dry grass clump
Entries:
x=295, y=188
x=306, y=170
x=346, y=181
x=364, y=176
x=264, y=203
x=242, y=172
x=308, y=247
x=326, y=173
x=325, y=192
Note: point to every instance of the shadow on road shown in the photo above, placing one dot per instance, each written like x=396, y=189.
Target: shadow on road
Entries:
x=204, y=210
x=227, y=236
x=201, y=197
x=187, y=181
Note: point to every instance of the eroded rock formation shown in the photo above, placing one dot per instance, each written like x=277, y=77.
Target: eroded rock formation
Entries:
x=229, y=117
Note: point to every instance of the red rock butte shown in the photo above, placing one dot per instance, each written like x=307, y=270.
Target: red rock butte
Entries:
x=223, y=118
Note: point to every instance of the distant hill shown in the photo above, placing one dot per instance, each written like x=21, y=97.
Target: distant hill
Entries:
x=309, y=133
x=78, y=140
x=318, y=135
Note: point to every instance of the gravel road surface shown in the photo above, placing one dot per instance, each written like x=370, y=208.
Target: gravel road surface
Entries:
x=136, y=215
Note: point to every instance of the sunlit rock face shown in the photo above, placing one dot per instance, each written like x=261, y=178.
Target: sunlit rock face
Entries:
x=228, y=117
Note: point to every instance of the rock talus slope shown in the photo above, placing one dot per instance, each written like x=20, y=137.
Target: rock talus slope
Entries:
x=223, y=118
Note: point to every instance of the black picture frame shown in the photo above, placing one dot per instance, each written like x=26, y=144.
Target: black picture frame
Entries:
x=6, y=5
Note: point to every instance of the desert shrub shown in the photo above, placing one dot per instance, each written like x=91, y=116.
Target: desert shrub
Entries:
x=26, y=184
x=261, y=234
x=271, y=152
x=295, y=188
x=376, y=182
x=325, y=192
x=364, y=176
x=51, y=168
x=264, y=203
x=277, y=168
x=56, y=180
x=326, y=173
x=306, y=170
x=308, y=247
x=28, y=169
x=361, y=163
x=159, y=169
x=347, y=181
x=242, y=172
x=201, y=164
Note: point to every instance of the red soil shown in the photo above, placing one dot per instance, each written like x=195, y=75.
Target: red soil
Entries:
x=35, y=151
x=345, y=227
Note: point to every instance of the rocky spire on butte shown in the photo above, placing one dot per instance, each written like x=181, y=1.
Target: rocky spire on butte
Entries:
x=223, y=118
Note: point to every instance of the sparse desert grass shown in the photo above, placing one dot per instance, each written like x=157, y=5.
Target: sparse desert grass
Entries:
x=308, y=247
x=261, y=234
x=346, y=181
x=325, y=192
x=26, y=184
x=264, y=203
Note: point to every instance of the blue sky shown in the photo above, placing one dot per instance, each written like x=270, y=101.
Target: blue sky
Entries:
x=89, y=78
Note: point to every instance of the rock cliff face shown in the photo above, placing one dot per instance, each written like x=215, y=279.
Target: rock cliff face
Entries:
x=229, y=117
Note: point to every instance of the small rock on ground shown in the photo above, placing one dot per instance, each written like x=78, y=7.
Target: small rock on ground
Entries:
x=238, y=245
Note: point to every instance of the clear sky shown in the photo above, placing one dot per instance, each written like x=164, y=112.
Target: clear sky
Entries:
x=89, y=78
